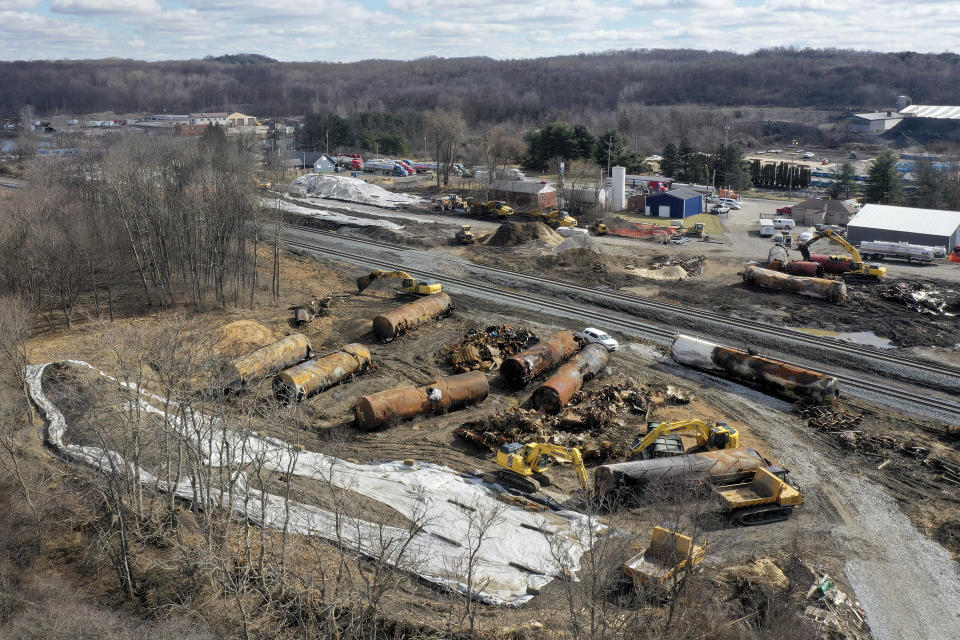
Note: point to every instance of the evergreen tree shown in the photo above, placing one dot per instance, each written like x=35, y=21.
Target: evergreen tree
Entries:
x=670, y=163
x=687, y=170
x=884, y=184
x=844, y=182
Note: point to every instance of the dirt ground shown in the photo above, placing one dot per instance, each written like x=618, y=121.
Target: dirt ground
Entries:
x=771, y=426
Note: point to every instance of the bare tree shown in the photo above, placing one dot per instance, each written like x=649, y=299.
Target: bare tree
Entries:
x=446, y=129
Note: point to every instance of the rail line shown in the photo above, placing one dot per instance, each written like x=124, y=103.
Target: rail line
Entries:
x=662, y=334
x=756, y=326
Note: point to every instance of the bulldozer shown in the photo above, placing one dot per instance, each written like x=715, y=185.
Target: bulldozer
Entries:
x=464, y=235
x=408, y=284
x=448, y=202
x=521, y=464
x=663, y=438
x=599, y=228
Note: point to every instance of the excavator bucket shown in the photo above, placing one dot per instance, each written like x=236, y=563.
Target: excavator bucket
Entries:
x=365, y=281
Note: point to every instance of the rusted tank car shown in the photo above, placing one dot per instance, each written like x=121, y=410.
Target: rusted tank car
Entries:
x=802, y=268
x=542, y=357
x=833, y=264
x=313, y=376
x=822, y=288
x=444, y=394
x=400, y=319
x=556, y=392
x=268, y=360
x=780, y=378
x=624, y=478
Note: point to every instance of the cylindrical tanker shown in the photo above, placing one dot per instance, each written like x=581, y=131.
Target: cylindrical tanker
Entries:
x=542, y=357
x=556, y=392
x=832, y=290
x=268, y=360
x=313, y=376
x=396, y=321
x=764, y=373
x=634, y=477
x=803, y=268
x=453, y=392
x=833, y=264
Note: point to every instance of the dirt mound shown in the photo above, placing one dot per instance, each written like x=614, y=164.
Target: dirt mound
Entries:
x=761, y=571
x=242, y=336
x=512, y=234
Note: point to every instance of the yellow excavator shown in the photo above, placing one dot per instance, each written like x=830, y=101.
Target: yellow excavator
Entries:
x=663, y=438
x=860, y=268
x=408, y=284
x=522, y=462
x=598, y=227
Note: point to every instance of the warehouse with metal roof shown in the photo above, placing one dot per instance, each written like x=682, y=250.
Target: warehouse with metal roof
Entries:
x=931, y=227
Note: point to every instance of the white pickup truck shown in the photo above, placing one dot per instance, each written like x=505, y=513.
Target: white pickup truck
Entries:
x=879, y=250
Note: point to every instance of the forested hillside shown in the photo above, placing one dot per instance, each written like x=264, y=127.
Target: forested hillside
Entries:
x=485, y=90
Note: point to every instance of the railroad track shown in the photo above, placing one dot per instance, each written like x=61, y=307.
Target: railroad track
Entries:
x=836, y=345
x=661, y=334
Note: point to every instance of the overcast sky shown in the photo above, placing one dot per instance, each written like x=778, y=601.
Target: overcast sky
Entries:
x=341, y=30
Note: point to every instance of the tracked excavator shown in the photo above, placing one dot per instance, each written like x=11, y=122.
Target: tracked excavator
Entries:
x=522, y=463
x=663, y=438
x=859, y=269
x=408, y=284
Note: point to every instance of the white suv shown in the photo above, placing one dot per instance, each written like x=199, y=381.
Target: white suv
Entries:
x=730, y=202
x=595, y=336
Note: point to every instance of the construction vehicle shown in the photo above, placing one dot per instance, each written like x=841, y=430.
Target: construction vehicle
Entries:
x=598, y=227
x=858, y=269
x=663, y=438
x=498, y=208
x=555, y=218
x=761, y=499
x=698, y=231
x=522, y=463
x=668, y=553
x=448, y=202
x=465, y=235
x=408, y=284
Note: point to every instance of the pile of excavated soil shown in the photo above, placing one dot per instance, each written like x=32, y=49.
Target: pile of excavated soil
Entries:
x=512, y=234
x=242, y=336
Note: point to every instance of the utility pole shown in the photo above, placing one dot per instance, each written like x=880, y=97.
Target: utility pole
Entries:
x=328, y=142
x=609, y=150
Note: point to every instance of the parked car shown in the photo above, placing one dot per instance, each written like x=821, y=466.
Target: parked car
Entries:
x=595, y=336
x=730, y=202
x=719, y=208
x=808, y=154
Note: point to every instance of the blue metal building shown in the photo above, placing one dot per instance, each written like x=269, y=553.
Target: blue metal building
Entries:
x=679, y=203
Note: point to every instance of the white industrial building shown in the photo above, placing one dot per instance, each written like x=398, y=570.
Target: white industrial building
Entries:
x=931, y=227
x=931, y=111
x=876, y=122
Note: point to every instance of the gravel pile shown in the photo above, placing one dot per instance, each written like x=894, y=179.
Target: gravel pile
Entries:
x=349, y=189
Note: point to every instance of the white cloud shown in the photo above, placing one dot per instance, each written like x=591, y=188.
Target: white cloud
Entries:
x=94, y=7
x=14, y=5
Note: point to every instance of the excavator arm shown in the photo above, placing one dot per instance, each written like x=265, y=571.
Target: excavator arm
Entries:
x=568, y=454
x=858, y=265
x=365, y=281
x=723, y=435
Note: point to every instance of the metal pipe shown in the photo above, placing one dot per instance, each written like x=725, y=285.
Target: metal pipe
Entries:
x=763, y=373
x=832, y=290
x=635, y=476
x=556, y=392
x=268, y=360
x=444, y=394
x=542, y=357
x=398, y=320
x=313, y=376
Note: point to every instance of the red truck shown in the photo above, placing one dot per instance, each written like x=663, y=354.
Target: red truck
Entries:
x=785, y=210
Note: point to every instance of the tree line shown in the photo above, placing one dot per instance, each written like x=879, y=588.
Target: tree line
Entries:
x=575, y=87
x=158, y=222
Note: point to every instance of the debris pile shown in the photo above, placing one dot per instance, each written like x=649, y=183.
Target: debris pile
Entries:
x=349, y=189
x=485, y=350
x=587, y=423
x=834, y=612
x=920, y=297
x=693, y=265
x=827, y=418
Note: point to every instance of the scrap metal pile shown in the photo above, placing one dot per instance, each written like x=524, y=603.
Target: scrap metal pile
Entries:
x=588, y=423
x=485, y=350
x=920, y=297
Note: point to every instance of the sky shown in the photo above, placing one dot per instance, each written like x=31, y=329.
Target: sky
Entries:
x=345, y=31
